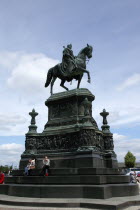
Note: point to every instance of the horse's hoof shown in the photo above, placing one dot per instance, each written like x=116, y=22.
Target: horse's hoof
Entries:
x=88, y=80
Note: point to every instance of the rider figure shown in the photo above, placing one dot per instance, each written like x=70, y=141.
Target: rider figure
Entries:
x=68, y=60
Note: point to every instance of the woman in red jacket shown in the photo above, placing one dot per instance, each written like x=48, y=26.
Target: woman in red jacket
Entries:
x=1, y=177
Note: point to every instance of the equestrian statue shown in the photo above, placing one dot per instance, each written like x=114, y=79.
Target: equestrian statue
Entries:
x=72, y=67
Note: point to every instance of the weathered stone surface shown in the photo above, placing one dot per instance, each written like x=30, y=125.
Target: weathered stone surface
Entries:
x=70, y=191
x=33, y=127
x=69, y=179
x=70, y=111
x=71, y=136
x=83, y=161
x=73, y=171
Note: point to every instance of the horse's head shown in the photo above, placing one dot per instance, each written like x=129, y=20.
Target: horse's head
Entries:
x=88, y=51
x=85, y=52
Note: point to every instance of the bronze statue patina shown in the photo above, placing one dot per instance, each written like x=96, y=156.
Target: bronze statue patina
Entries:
x=68, y=60
x=72, y=67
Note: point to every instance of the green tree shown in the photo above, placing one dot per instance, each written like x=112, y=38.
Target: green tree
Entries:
x=130, y=160
x=5, y=168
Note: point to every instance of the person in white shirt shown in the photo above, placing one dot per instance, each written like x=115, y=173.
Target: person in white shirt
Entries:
x=29, y=167
x=46, y=166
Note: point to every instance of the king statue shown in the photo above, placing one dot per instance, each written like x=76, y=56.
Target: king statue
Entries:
x=72, y=67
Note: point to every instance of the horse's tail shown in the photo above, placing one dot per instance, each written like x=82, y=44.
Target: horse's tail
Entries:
x=49, y=77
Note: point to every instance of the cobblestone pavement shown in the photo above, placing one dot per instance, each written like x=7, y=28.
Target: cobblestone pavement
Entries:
x=3, y=207
x=133, y=208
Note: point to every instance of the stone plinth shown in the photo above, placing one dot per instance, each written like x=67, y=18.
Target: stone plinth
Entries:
x=71, y=137
x=95, y=183
x=69, y=112
x=83, y=162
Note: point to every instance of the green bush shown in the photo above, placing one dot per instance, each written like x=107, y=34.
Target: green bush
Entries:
x=130, y=160
x=5, y=168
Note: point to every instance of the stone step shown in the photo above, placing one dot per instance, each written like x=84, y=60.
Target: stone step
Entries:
x=79, y=179
x=72, y=171
x=73, y=203
x=70, y=191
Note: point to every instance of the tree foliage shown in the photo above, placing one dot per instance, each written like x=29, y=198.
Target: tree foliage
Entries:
x=5, y=168
x=130, y=160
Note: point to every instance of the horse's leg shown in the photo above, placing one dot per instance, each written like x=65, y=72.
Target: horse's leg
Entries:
x=85, y=71
x=79, y=81
x=62, y=84
x=89, y=79
x=52, y=83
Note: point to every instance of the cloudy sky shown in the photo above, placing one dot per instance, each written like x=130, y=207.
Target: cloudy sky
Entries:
x=32, y=36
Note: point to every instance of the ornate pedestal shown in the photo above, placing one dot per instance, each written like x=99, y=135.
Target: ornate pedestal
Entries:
x=83, y=163
x=71, y=137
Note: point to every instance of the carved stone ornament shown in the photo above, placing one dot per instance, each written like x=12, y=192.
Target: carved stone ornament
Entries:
x=70, y=141
x=108, y=143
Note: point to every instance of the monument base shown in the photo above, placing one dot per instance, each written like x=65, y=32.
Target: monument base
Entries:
x=71, y=137
x=83, y=162
x=97, y=183
x=76, y=159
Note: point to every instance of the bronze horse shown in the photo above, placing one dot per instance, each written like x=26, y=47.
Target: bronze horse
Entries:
x=77, y=73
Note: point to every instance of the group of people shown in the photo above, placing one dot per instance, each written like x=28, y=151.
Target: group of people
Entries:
x=31, y=165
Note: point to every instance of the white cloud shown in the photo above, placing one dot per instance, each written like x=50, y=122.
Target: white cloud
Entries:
x=125, y=116
x=9, y=59
x=29, y=75
x=25, y=81
x=131, y=81
x=11, y=119
x=113, y=116
x=25, y=91
x=119, y=116
x=123, y=144
x=11, y=122
x=128, y=120
x=10, y=154
x=118, y=137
